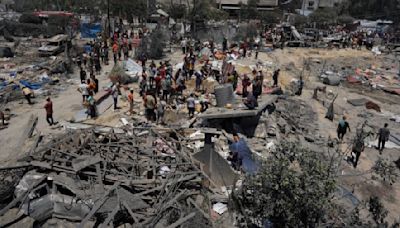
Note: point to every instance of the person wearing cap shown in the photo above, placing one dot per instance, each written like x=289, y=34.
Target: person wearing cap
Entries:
x=49, y=111
x=131, y=101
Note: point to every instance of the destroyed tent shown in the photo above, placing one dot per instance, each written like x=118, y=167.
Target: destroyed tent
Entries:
x=90, y=30
x=113, y=177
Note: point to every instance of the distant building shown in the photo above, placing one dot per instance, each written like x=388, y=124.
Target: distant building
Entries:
x=310, y=6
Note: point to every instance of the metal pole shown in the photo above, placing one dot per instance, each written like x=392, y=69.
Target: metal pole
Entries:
x=108, y=18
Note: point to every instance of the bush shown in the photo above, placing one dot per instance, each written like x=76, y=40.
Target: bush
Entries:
x=326, y=15
x=300, y=20
x=345, y=19
x=270, y=17
x=30, y=19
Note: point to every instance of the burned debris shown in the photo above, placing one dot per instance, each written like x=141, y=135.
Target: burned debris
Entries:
x=113, y=178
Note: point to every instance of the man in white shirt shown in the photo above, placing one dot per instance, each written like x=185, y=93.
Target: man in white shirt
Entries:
x=84, y=90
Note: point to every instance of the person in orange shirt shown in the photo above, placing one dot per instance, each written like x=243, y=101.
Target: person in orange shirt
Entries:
x=91, y=85
x=131, y=101
x=115, y=49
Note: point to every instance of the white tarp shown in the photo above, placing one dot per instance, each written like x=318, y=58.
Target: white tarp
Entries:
x=132, y=68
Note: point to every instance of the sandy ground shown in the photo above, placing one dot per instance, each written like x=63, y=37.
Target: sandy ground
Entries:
x=65, y=105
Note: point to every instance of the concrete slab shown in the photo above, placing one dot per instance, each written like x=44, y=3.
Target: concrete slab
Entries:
x=223, y=113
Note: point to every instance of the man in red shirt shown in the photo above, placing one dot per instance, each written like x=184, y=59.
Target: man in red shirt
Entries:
x=49, y=111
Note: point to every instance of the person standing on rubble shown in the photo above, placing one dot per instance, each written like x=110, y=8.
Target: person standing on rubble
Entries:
x=150, y=104
x=131, y=101
x=82, y=74
x=84, y=90
x=95, y=83
x=383, y=137
x=300, y=86
x=49, y=111
x=358, y=146
x=160, y=112
x=115, y=93
x=257, y=87
x=275, y=77
x=342, y=128
x=91, y=105
x=245, y=83
x=191, y=105
x=165, y=88
x=115, y=49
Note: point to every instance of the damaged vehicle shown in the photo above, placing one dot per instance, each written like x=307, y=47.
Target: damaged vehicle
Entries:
x=54, y=46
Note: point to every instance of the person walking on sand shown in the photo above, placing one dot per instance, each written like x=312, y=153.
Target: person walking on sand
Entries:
x=115, y=93
x=275, y=77
x=49, y=111
x=342, y=128
x=383, y=137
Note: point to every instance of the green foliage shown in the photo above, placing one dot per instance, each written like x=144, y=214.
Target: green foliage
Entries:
x=30, y=18
x=177, y=11
x=377, y=210
x=246, y=31
x=153, y=46
x=345, y=19
x=270, y=17
x=371, y=9
x=326, y=15
x=386, y=170
x=300, y=20
x=292, y=189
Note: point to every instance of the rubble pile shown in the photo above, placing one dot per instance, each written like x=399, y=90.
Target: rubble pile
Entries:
x=121, y=176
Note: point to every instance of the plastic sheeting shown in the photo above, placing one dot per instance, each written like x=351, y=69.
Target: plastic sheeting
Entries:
x=132, y=68
x=89, y=30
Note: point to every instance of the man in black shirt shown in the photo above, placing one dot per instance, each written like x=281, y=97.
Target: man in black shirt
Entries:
x=383, y=137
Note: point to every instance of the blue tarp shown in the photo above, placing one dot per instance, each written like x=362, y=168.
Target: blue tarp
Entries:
x=32, y=86
x=249, y=166
x=90, y=30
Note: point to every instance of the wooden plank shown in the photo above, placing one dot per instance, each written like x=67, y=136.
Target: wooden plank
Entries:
x=110, y=217
x=97, y=205
x=182, y=220
x=130, y=211
x=99, y=176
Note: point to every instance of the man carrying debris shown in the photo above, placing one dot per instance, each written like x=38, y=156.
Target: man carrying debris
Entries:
x=191, y=105
x=383, y=137
x=342, y=128
x=275, y=77
x=49, y=111
x=28, y=94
